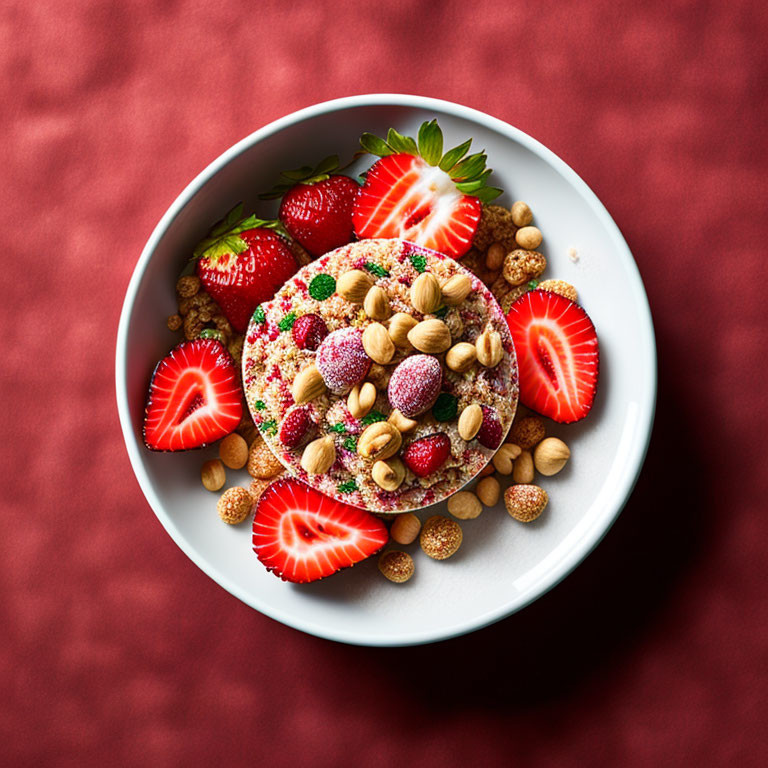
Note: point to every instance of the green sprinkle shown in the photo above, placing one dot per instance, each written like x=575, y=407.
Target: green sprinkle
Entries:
x=258, y=315
x=441, y=312
x=373, y=417
x=212, y=333
x=377, y=269
x=340, y=428
x=419, y=262
x=347, y=487
x=532, y=284
x=287, y=322
x=445, y=407
x=322, y=287
x=259, y=405
x=351, y=444
x=270, y=427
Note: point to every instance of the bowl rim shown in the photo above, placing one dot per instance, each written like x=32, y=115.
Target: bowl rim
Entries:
x=647, y=350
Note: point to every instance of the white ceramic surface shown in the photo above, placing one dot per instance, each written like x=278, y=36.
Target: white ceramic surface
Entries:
x=502, y=565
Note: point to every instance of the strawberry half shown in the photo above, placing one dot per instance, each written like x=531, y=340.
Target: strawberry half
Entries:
x=301, y=535
x=557, y=353
x=317, y=206
x=242, y=263
x=194, y=397
x=417, y=193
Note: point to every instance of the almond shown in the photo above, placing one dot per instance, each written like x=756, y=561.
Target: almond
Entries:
x=213, y=475
x=318, y=456
x=456, y=289
x=488, y=491
x=489, y=348
x=354, y=285
x=525, y=502
x=399, y=325
x=388, y=474
x=379, y=441
x=376, y=304
x=430, y=336
x=361, y=399
x=402, y=423
x=426, y=295
x=377, y=343
x=308, y=385
x=470, y=421
x=465, y=505
x=523, y=471
x=460, y=357
x=550, y=456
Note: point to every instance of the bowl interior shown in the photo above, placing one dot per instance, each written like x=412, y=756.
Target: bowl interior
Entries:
x=502, y=565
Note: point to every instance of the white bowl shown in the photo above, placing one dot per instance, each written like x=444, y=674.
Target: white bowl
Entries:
x=502, y=565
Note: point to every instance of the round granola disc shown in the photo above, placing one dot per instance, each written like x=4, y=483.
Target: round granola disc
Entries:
x=277, y=349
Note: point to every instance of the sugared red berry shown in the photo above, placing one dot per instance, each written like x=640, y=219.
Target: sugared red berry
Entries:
x=426, y=455
x=295, y=427
x=490, y=430
x=342, y=361
x=415, y=384
x=308, y=331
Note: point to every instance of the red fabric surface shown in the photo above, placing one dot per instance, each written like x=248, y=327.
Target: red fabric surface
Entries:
x=116, y=650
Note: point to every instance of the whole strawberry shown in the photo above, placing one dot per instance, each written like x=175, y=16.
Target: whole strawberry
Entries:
x=427, y=454
x=317, y=204
x=242, y=263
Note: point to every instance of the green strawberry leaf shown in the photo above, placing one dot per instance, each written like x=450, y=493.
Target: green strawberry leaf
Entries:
x=431, y=142
x=452, y=156
x=401, y=143
x=488, y=194
x=223, y=239
x=469, y=168
x=298, y=174
x=375, y=146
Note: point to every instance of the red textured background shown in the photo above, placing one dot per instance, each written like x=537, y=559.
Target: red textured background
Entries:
x=116, y=650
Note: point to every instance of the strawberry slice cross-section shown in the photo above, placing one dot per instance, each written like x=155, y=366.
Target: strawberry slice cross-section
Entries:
x=557, y=353
x=194, y=397
x=301, y=535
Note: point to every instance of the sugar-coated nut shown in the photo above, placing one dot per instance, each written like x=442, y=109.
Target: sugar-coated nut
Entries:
x=559, y=287
x=376, y=304
x=455, y=289
x=520, y=266
x=426, y=295
x=523, y=471
x=430, y=336
x=399, y=325
x=527, y=432
x=213, y=475
x=379, y=441
x=470, y=421
x=188, y=286
x=521, y=214
x=396, y=566
x=465, y=505
x=318, y=456
x=233, y=451
x=503, y=458
x=528, y=237
x=234, y=505
x=402, y=423
x=525, y=502
x=488, y=491
x=377, y=344
x=361, y=399
x=461, y=357
x=487, y=470
x=388, y=475
x=489, y=348
x=440, y=537
x=354, y=285
x=494, y=257
x=550, y=456
x=405, y=528
x=262, y=462
x=308, y=385
x=174, y=322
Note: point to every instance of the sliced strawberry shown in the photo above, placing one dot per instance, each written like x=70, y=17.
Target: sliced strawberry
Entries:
x=242, y=263
x=302, y=535
x=194, y=397
x=417, y=193
x=557, y=353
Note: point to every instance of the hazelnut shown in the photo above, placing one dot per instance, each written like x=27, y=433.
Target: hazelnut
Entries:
x=550, y=456
x=233, y=451
x=440, y=537
x=234, y=505
x=525, y=502
x=465, y=505
x=521, y=214
x=527, y=432
x=405, y=528
x=528, y=237
x=213, y=475
x=488, y=491
x=396, y=566
x=523, y=472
